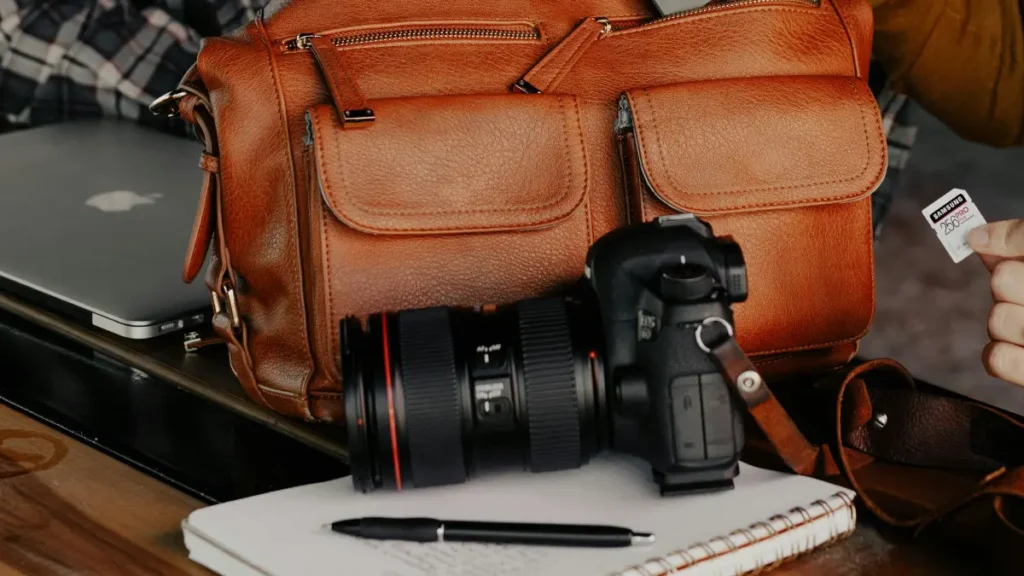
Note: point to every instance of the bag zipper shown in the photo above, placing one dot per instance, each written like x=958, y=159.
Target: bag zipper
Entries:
x=410, y=33
x=632, y=23
x=546, y=74
x=624, y=125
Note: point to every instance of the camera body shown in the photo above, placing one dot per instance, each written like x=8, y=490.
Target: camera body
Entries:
x=659, y=286
x=435, y=396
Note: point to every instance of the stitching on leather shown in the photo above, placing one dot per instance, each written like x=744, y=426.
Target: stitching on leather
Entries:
x=853, y=47
x=326, y=394
x=642, y=187
x=586, y=172
x=677, y=187
x=870, y=233
x=293, y=216
x=279, y=393
x=568, y=66
x=529, y=207
x=809, y=11
x=324, y=240
x=764, y=358
x=672, y=178
x=328, y=361
x=333, y=328
x=557, y=218
x=811, y=346
x=864, y=331
x=544, y=63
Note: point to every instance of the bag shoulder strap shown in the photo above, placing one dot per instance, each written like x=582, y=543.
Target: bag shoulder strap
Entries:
x=875, y=415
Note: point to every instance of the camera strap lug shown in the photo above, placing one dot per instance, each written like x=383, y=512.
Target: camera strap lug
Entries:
x=734, y=365
x=741, y=373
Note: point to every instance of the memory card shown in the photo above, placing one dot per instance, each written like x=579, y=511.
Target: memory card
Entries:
x=952, y=217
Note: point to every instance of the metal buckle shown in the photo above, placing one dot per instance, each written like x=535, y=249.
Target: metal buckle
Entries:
x=358, y=116
x=192, y=341
x=236, y=318
x=232, y=305
x=167, y=104
x=217, y=302
x=525, y=87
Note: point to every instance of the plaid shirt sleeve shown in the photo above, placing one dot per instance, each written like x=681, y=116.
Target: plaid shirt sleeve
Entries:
x=69, y=59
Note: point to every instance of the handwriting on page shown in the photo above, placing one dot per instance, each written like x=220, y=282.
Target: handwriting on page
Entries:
x=445, y=559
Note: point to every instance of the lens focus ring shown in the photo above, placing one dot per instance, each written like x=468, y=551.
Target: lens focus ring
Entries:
x=549, y=381
x=433, y=412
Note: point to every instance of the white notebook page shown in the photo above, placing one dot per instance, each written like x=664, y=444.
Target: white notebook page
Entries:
x=284, y=533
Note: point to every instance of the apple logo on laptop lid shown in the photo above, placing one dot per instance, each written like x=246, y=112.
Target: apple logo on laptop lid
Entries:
x=121, y=200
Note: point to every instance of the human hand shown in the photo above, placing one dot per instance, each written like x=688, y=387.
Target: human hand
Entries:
x=1001, y=247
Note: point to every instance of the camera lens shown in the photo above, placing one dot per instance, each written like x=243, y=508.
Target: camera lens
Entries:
x=435, y=396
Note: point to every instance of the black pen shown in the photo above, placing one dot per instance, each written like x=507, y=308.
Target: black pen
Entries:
x=433, y=530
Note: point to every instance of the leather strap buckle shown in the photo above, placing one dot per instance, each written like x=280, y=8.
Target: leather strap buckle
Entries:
x=358, y=116
x=193, y=342
x=167, y=104
x=231, y=300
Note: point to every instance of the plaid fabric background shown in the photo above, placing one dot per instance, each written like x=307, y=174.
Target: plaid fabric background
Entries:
x=67, y=59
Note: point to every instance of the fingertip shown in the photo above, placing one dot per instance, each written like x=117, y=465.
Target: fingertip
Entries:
x=979, y=238
x=1004, y=361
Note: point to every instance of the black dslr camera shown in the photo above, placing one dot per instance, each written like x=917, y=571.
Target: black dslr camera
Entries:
x=434, y=396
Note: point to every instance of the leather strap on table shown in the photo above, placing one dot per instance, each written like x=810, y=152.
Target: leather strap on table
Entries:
x=881, y=416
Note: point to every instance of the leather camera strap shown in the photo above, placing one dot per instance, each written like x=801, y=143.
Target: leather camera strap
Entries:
x=914, y=454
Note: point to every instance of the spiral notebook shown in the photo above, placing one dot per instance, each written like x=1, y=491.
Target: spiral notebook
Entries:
x=766, y=519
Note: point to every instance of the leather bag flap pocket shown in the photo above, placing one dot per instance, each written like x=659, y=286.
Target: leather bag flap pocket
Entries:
x=453, y=164
x=758, y=143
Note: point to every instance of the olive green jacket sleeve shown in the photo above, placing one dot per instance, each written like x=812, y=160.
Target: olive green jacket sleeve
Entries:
x=963, y=60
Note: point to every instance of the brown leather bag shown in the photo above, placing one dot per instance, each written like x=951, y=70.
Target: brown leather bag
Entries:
x=363, y=156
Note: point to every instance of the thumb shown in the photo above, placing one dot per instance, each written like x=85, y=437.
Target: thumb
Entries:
x=998, y=241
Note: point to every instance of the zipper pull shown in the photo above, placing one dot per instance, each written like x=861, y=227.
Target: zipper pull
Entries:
x=348, y=98
x=300, y=42
x=547, y=73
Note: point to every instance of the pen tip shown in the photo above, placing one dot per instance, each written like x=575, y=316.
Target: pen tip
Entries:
x=642, y=539
x=350, y=527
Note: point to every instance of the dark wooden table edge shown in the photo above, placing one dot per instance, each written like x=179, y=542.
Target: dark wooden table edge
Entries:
x=113, y=349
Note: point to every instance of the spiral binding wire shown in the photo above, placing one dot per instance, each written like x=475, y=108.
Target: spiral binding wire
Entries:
x=704, y=551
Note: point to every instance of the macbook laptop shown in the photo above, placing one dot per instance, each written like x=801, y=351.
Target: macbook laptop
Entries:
x=95, y=218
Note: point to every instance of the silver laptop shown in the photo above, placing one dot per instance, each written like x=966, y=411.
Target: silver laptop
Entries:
x=95, y=218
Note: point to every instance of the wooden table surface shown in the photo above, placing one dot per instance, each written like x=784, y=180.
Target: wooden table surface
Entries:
x=66, y=508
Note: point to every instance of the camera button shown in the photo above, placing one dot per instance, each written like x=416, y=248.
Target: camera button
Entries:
x=718, y=416
x=687, y=420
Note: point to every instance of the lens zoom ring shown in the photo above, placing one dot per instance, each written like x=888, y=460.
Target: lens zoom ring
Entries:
x=550, y=383
x=433, y=416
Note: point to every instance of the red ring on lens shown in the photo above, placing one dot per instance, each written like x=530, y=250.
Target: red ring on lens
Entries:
x=391, y=402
